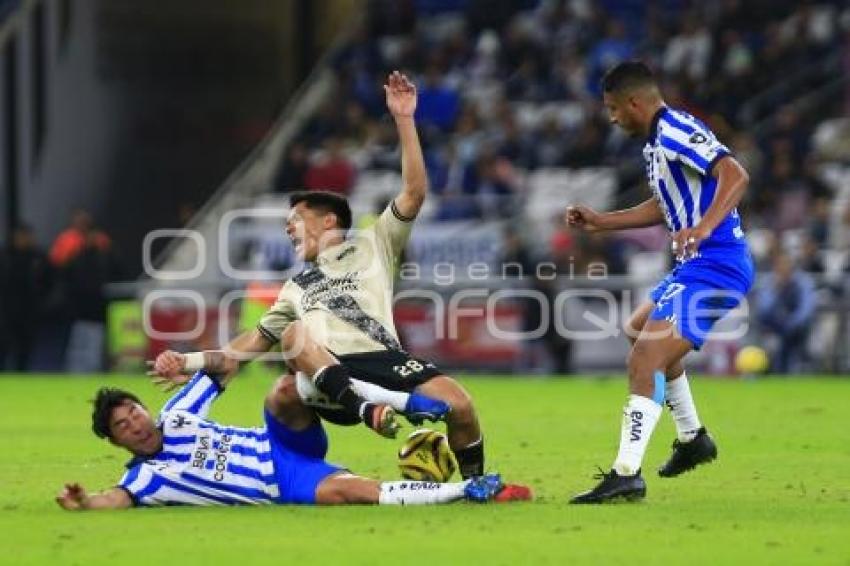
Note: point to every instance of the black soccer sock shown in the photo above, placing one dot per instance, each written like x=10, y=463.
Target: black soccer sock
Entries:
x=470, y=459
x=335, y=382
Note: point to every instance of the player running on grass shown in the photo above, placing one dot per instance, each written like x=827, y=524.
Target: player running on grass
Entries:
x=696, y=185
x=182, y=457
x=334, y=320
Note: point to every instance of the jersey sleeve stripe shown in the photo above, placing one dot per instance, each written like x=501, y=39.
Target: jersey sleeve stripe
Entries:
x=199, y=385
x=196, y=396
x=676, y=123
x=692, y=157
x=397, y=213
x=130, y=477
x=138, y=480
x=203, y=402
x=721, y=153
x=267, y=334
x=184, y=391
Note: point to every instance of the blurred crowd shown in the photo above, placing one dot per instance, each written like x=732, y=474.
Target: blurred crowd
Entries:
x=53, y=303
x=508, y=87
x=511, y=87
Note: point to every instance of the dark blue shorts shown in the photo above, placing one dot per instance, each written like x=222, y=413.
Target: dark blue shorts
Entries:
x=700, y=291
x=298, y=458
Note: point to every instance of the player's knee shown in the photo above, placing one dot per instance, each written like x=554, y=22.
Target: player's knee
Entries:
x=463, y=411
x=347, y=491
x=643, y=359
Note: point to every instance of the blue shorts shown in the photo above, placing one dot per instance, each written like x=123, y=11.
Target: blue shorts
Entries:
x=700, y=291
x=298, y=458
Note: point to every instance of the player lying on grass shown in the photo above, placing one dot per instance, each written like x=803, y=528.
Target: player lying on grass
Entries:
x=184, y=458
x=696, y=186
x=343, y=304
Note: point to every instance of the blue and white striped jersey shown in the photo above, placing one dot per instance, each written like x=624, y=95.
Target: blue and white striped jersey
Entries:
x=202, y=462
x=680, y=154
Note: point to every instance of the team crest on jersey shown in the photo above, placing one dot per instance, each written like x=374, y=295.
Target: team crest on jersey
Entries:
x=179, y=421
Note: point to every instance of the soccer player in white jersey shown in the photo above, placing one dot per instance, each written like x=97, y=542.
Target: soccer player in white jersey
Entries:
x=184, y=458
x=334, y=321
x=696, y=187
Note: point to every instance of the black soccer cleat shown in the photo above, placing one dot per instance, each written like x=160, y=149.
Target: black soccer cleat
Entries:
x=688, y=455
x=613, y=487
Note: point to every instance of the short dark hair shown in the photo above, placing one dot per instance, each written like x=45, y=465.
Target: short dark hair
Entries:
x=627, y=75
x=325, y=202
x=104, y=402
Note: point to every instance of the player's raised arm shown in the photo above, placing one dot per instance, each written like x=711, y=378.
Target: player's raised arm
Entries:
x=171, y=369
x=73, y=497
x=401, y=102
x=647, y=213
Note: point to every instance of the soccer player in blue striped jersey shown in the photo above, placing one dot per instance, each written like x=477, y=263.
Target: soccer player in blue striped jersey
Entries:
x=184, y=458
x=696, y=186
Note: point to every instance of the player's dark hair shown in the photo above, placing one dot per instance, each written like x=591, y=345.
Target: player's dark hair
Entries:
x=105, y=401
x=325, y=202
x=626, y=76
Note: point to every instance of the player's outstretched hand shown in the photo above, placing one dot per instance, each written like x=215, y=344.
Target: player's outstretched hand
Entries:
x=401, y=95
x=583, y=217
x=167, y=371
x=72, y=497
x=686, y=242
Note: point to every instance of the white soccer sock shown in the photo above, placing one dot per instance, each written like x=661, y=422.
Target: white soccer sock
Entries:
x=376, y=394
x=640, y=416
x=420, y=492
x=308, y=393
x=681, y=404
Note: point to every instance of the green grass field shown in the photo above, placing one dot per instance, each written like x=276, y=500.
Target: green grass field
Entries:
x=779, y=493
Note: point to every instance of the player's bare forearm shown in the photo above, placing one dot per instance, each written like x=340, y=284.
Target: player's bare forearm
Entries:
x=413, y=173
x=242, y=349
x=74, y=498
x=647, y=213
x=401, y=102
x=170, y=368
x=732, y=181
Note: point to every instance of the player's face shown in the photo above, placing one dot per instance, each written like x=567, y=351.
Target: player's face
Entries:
x=621, y=112
x=307, y=228
x=132, y=427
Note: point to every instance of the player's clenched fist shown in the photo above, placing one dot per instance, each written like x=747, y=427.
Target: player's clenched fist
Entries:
x=72, y=497
x=169, y=364
x=583, y=217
